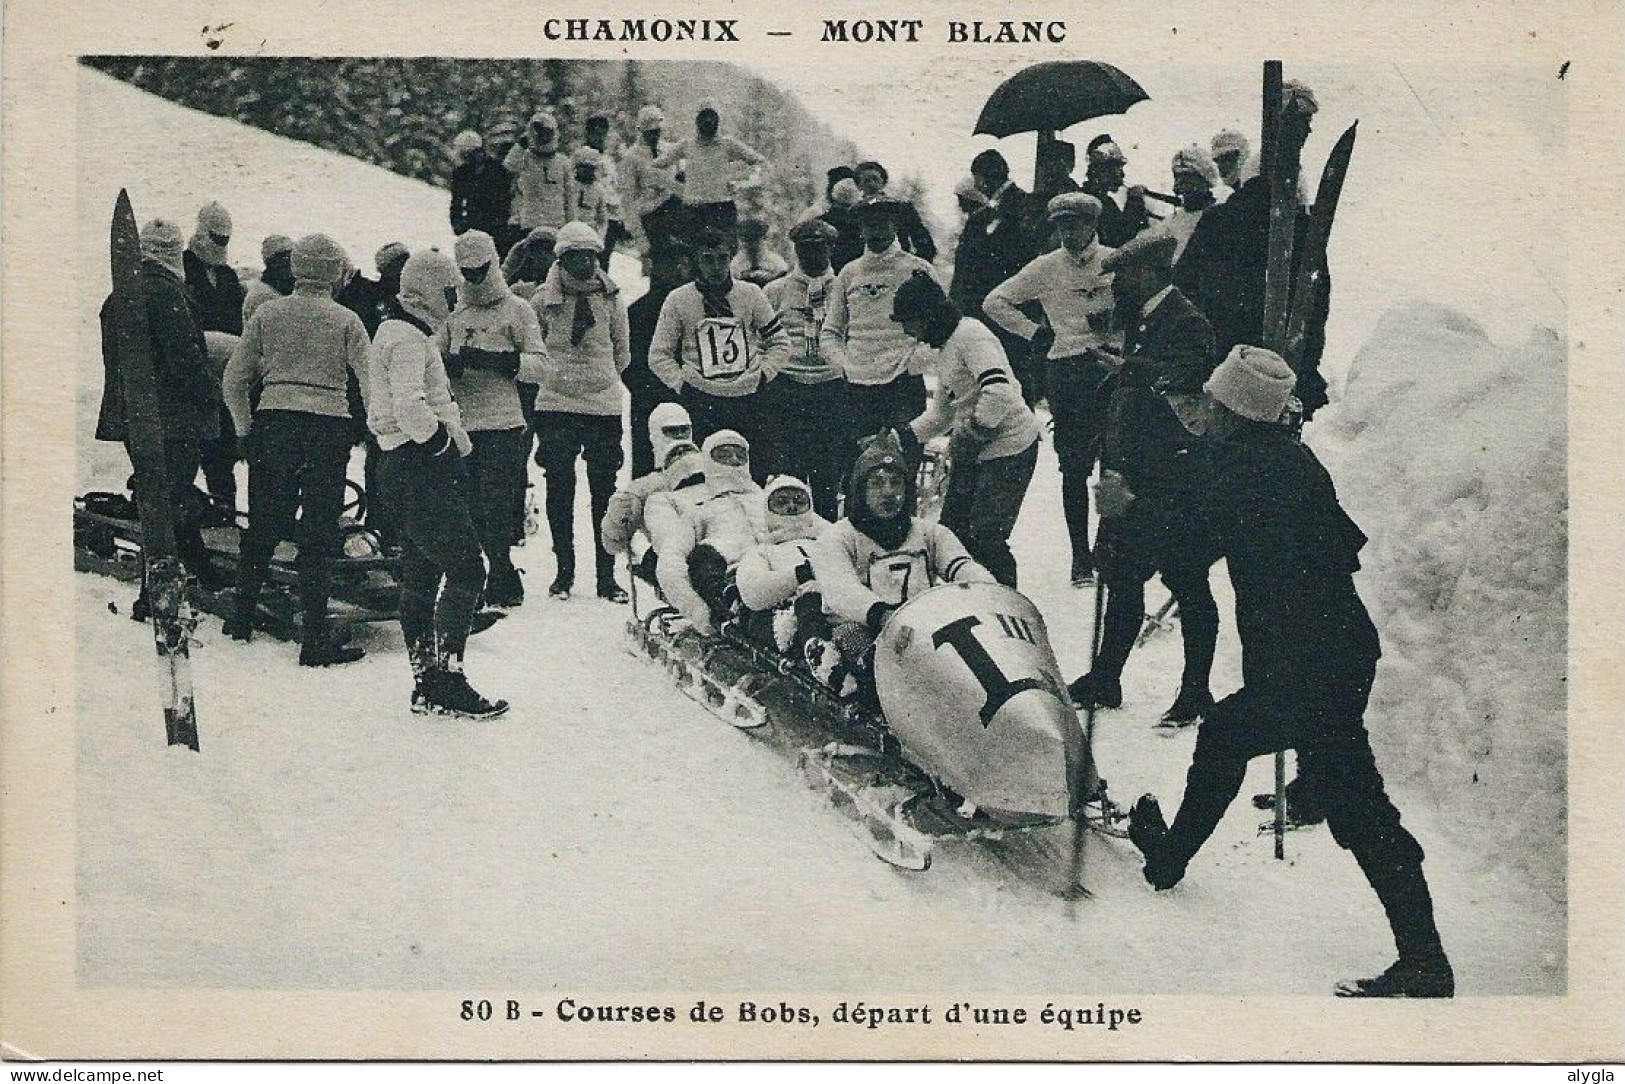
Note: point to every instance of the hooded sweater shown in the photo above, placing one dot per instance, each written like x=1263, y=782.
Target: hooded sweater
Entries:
x=729, y=355
x=586, y=352
x=299, y=350
x=623, y=517
x=780, y=568
x=859, y=333
x=646, y=185
x=491, y=318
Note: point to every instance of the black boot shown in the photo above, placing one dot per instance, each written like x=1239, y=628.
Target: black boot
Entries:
x=1422, y=969
x=319, y=647
x=1187, y=708
x=250, y=578
x=1148, y=831
x=449, y=693
x=1095, y=690
x=503, y=588
x=425, y=666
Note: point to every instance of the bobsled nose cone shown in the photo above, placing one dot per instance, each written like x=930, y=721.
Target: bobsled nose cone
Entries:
x=1040, y=752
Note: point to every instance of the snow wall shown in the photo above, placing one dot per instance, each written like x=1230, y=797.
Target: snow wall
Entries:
x=1450, y=452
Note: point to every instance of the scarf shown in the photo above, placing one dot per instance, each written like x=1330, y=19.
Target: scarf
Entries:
x=582, y=319
x=715, y=298
x=396, y=310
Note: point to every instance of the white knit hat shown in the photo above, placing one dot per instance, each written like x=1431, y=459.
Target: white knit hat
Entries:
x=577, y=237
x=1194, y=159
x=1252, y=382
x=467, y=140
x=277, y=242
x=650, y=118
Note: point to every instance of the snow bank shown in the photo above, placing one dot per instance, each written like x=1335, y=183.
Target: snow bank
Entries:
x=1449, y=450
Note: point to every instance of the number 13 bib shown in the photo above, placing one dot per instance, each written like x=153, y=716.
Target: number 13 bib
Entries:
x=723, y=347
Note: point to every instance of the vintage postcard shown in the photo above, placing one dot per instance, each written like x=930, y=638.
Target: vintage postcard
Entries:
x=1042, y=532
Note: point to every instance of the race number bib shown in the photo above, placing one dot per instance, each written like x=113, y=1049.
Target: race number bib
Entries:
x=896, y=577
x=723, y=347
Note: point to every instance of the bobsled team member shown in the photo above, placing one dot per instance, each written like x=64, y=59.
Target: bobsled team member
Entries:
x=589, y=203
x=623, y=518
x=755, y=262
x=994, y=443
x=1153, y=485
x=885, y=385
x=776, y=576
x=881, y=555
x=578, y=406
x=809, y=395
x=718, y=342
x=420, y=429
x=188, y=395
x=1308, y=655
x=1075, y=292
x=299, y=351
x=668, y=511
x=493, y=341
x=595, y=133
x=697, y=552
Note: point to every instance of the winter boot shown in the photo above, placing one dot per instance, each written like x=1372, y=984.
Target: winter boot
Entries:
x=240, y=625
x=1083, y=570
x=611, y=591
x=449, y=693
x=1094, y=690
x=1405, y=978
x=250, y=577
x=318, y=647
x=1422, y=969
x=1148, y=831
x=503, y=588
x=425, y=672
x=560, y=588
x=1189, y=707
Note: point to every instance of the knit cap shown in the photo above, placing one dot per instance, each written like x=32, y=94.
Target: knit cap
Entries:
x=1230, y=141
x=317, y=258
x=274, y=244
x=213, y=218
x=424, y=281
x=389, y=254
x=467, y=140
x=1252, y=382
x=1194, y=159
x=577, y=237
x=650, y=118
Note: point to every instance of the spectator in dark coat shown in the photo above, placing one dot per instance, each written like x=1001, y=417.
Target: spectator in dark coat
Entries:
x=189, y=401
x=1152, y=488
x=668, y=269
x=1309, y=655
x=844, y=197
x=912, y=235
x=1009, y=245
x=1222, y=267
x=1103, y=175
x=218, y=296
x=480, y=190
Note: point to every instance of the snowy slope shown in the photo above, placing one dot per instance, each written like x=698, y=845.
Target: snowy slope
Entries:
x=608, y=834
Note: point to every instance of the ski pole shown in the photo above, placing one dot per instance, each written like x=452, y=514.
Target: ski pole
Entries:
x=1087, y=762
x=1280, y=805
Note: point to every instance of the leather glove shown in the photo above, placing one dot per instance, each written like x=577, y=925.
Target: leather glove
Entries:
x=1043, y=339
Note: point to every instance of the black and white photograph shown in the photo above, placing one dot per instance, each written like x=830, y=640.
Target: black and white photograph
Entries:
x=757, y=533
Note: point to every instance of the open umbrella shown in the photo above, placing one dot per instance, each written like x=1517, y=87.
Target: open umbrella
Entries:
x=1057, y=94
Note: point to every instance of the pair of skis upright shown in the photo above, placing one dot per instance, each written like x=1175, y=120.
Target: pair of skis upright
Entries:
x=1293, y=273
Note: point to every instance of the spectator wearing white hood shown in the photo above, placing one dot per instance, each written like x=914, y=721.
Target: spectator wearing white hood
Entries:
x=492, y=342
x=418, y=425
x=217, y=295
x=1195, y=177
x=578, y=405
x=543, y=185
x=298, y=350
